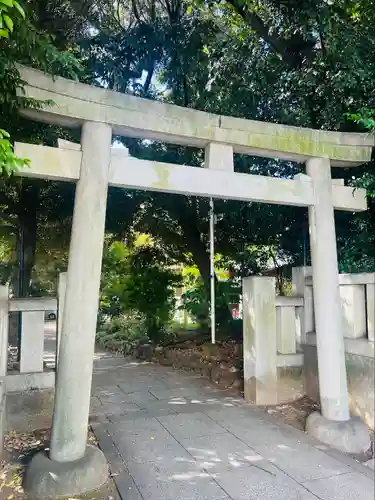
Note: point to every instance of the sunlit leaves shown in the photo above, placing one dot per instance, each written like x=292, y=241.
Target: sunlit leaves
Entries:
x=8, y=9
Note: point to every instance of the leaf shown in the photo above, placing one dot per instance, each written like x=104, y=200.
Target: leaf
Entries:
x=8, y=3
x=4, y=33
x=20, y=9
x=9, y=23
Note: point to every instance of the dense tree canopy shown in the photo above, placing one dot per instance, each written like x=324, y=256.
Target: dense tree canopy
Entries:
x=307, y=63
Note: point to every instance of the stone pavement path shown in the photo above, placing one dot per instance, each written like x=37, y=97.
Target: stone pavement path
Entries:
x=173, y=436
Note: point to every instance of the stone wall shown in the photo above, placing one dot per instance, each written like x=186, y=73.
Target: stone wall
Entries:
x=29, y=410
x=361, y=382
x=221, y=364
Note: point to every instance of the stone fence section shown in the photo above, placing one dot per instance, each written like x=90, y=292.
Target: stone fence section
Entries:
x=280, y=357
x=29, y=371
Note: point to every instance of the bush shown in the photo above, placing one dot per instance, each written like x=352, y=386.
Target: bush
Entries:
x=196, y=300
x=139, y=281
x=122, y=334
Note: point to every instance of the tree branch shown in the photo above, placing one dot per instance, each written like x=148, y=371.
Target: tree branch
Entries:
x=292, y=51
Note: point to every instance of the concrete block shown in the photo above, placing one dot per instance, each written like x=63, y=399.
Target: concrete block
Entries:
x=350, y=436
x=219, y=157
x=30, y=381
x=354, y=310
x=46, y=478
x=286, y=330
x=29, y=410
x=32, y=342
x=259, y=340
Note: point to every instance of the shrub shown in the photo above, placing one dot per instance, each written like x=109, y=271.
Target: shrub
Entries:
x=139, y=281
x=122, y=334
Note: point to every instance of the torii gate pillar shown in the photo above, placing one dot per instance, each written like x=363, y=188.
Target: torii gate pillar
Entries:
x=73, y=467
x=333, y=426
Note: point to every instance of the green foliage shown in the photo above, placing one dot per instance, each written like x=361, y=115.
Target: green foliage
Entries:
x=9, y=162
x=139, y=281
x=9, y=8
x=122, y=334
x=196, y=302
x=196, y=299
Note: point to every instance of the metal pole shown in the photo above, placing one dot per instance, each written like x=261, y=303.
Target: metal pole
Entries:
x=212, y=271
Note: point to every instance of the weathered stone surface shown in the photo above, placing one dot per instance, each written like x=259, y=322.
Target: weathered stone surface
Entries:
x=361, y=382
x=350, y=436
x=327, y=301
x=129, y=172
x=46, y=478
x=29, y=410
x=259, y=340
x=77, y=342
x=76, y=102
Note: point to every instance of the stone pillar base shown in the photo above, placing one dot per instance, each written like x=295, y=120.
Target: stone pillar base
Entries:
x=46, y=478
x=350, y=436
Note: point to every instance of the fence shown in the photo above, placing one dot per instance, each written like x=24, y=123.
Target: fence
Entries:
x=280, y=360
x=30, y=372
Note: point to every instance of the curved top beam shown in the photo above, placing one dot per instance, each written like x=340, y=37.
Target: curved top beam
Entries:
x=131, y=116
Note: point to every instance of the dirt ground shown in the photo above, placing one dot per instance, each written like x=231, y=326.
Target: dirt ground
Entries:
x=18, y=450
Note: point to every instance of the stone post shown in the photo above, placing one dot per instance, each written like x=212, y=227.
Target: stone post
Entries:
x=305, y=314
x=61, y=290
x=259, y=340
x=370, y=310
x=73, y=467
x=353, y=299
x=329, y=320
x=32, y=342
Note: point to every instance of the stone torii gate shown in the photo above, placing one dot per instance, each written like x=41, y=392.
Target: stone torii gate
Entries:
x=72, y=467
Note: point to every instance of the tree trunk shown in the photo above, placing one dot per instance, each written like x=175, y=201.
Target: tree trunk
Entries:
x=25, y=250
x=29, y=203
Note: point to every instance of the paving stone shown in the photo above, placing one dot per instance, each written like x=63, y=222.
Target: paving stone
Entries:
x=354, y=465
x=182, y=392
x=177, y=481
x=351, y=486
x=108, y=448
x=120, y=408
x=182, y=439
x=301, y=462
x=254, y=483
x=158, y=408
x=139, y=397
x=146, y=441
x=194, y=406
x=220, y=452
x=142, y=385
x=126, y=486
x=197, y=424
